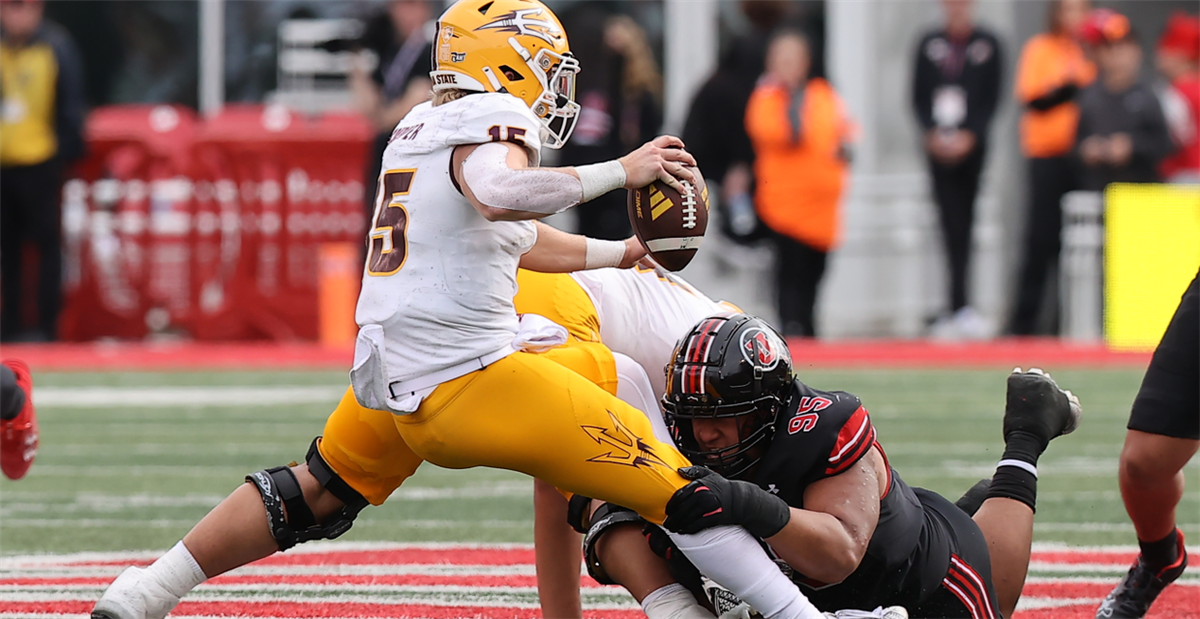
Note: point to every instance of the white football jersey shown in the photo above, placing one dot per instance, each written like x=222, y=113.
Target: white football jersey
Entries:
x=439, y=278
x=644, y=312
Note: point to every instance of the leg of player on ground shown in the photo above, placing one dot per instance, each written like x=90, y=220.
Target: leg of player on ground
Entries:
x=1036, y=411
x=556, y=554
x=236, y=531
x=1163, y=434
x=1151, y=476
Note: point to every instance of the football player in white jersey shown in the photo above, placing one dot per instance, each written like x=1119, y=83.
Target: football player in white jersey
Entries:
x=440, y=345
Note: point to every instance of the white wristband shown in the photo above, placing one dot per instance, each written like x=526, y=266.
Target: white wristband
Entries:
x=602, y=254
x=600, y=178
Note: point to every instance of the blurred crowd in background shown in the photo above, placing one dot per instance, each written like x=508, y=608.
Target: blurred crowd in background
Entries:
x=1100, y=102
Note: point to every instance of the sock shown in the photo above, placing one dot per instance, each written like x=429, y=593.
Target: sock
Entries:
x=1160, y=554
x=673, y=601
x=1016, y=474
x=733, y=558
x=12, y=396
x=177, y=571
x=1017, y=480
x=1023, y=447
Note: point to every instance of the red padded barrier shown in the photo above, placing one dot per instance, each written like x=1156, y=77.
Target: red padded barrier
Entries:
x=208, y=228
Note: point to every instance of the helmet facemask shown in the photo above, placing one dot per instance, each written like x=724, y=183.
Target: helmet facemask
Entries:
x=555, y=108
x=755, y=428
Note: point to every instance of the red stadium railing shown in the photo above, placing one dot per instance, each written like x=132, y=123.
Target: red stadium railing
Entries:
x=208, y=228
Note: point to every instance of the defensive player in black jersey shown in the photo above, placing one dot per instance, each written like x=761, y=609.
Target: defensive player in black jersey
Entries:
x=1163, y=435
x=801, y=469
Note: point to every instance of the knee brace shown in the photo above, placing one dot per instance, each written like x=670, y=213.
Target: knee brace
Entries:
x=606, y=517
x=579, y=512
x=279, y=488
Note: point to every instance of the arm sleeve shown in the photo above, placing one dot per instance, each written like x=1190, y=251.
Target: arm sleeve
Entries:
x=70, y=106
x=924, y=78
x=536, y=190
x=1054, y=98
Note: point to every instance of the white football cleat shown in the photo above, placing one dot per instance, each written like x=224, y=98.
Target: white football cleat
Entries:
x=135, y=594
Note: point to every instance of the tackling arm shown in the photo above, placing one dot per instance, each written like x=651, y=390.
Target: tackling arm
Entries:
x=827, y=539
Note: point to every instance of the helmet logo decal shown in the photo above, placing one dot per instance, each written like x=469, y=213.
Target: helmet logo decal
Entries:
x=443, y=49
x=624, y=447
x=759, y=349
x=521, y=22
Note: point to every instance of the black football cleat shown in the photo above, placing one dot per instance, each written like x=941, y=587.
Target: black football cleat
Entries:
x=973, y=498
x=1132, y=597
x=1036, y=406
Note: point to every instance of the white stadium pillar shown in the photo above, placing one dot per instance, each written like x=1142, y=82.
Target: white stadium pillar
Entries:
x=689, y=55
x=212, y=56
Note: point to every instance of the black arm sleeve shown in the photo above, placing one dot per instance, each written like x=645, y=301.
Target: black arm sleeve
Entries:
x=70, y=105
x=924, y=79
x=979, y=116
x=1054, y=98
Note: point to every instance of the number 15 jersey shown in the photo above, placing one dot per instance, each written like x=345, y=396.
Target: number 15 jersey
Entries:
x=439, y=278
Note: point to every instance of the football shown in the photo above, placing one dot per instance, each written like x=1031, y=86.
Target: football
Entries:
x=671, y=226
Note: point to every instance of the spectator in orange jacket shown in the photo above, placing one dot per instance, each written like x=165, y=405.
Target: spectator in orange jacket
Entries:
x=799, y=132
x=1050, y=73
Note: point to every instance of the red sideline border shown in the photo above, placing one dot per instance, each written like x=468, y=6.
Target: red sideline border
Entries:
x=807, y=354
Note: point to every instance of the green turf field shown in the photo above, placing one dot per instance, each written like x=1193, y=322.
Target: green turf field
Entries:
x=119, y=470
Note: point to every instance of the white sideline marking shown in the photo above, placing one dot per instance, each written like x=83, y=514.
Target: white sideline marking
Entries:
x=162, y=523
x=1093, y=526
x=291, y=570
x=133, y=397
x=95, y=502
x=1035, y=603
x=460, y=596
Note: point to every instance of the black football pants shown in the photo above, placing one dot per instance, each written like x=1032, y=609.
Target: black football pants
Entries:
x=955, y=189
x=1049, y=179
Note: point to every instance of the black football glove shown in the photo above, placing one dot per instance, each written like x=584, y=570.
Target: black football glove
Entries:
x=712, y=500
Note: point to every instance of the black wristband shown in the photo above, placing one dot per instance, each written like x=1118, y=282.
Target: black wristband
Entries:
x=760, y=512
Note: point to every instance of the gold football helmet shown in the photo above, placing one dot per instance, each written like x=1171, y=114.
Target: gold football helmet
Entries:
x=511, y=46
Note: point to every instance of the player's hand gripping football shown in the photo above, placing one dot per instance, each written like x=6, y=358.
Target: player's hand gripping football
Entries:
x=662, y=158
x=635, y=253
x=711, y=500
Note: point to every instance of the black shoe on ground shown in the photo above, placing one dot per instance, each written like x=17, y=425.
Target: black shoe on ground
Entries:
x=973, y=498
x=1132, y=597
x=1036, y=406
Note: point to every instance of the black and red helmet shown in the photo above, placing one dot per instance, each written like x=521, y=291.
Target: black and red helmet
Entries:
x=728, y=365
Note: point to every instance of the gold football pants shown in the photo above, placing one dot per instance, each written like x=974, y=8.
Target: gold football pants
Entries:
x=540, y=414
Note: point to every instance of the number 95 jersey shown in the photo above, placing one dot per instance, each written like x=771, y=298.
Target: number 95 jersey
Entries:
x=439, y=278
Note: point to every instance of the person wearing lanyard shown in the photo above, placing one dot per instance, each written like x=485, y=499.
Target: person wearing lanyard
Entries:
x=956, y=86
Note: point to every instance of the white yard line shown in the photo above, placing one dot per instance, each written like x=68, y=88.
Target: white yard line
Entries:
x=134, y=397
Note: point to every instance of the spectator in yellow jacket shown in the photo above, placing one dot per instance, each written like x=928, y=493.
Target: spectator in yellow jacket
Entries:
x=41, y=131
